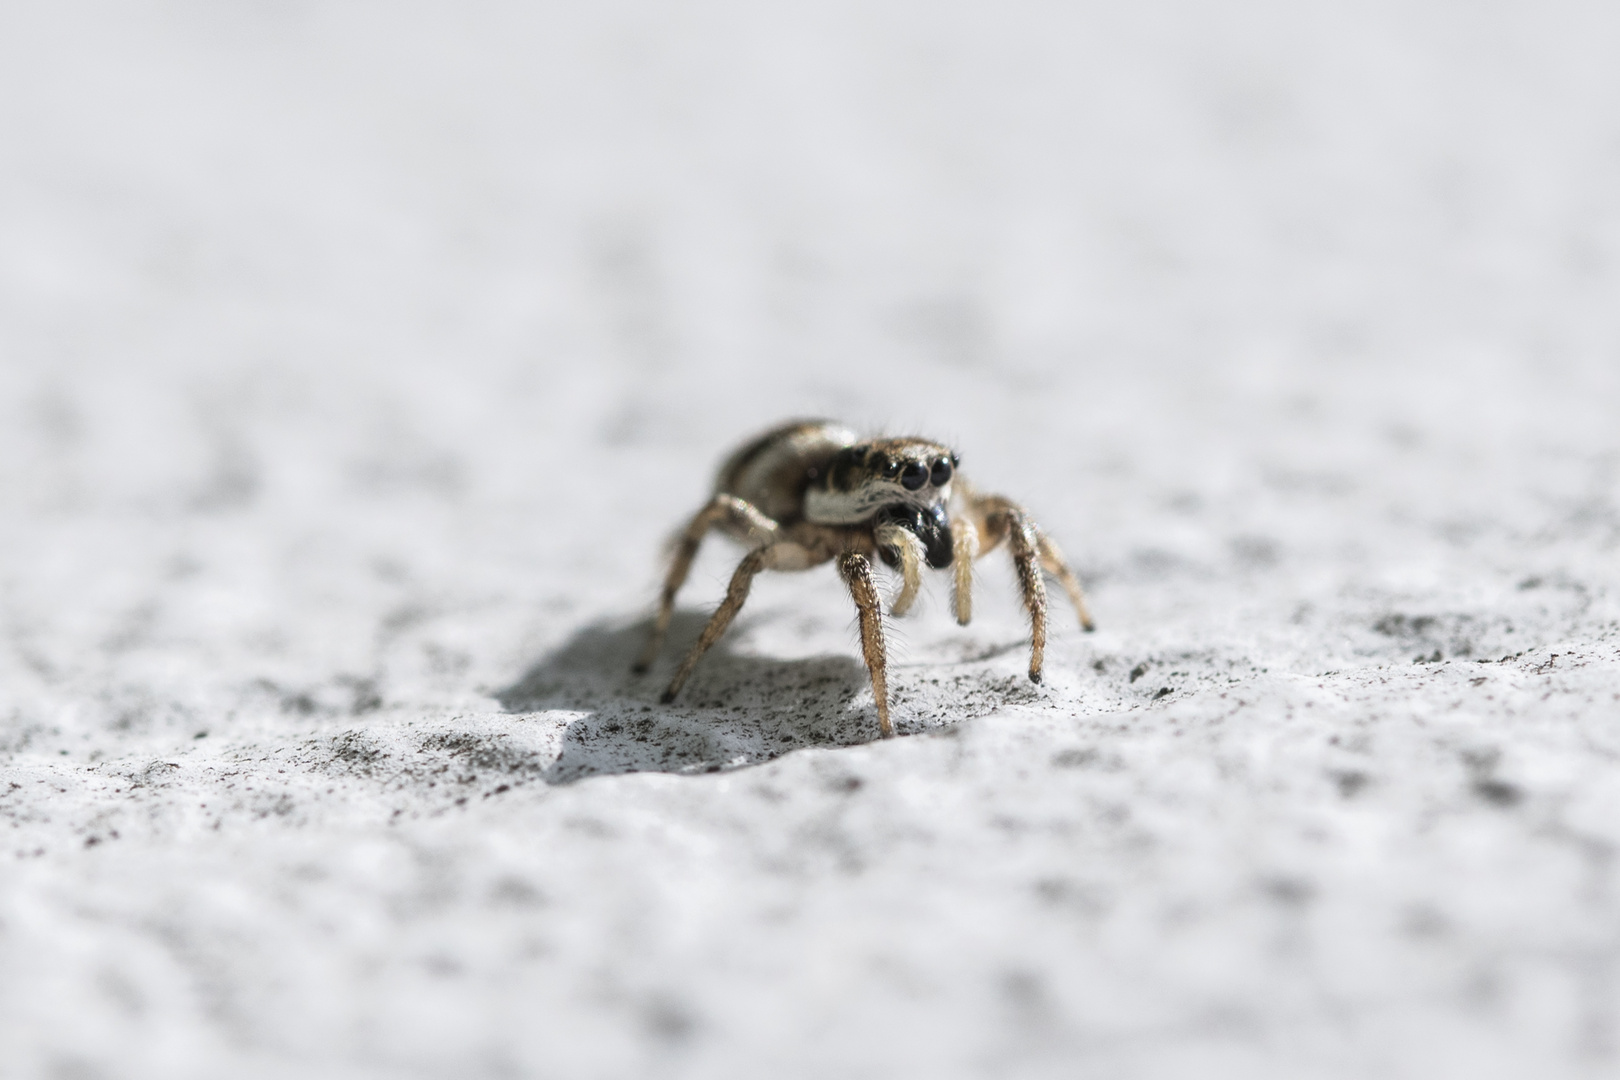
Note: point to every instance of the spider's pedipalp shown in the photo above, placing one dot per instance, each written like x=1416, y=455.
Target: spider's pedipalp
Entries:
x=965, y=541
x=909, y=553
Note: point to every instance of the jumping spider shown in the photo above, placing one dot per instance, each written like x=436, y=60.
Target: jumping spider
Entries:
x=812, y=491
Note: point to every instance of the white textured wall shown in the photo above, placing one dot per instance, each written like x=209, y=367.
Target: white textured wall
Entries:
x=355, y=359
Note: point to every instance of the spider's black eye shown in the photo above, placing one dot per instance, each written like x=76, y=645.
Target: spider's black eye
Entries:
x=914, y=475
x=941, y=474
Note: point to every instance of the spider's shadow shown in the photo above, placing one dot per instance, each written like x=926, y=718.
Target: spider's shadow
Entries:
x=737, y=710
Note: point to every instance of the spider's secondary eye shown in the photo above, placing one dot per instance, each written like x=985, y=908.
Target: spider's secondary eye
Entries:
x=914, y=475
x=941, y=474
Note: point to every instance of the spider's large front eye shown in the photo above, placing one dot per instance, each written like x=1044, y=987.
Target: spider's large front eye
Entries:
x=914, y=475
x=941, y=474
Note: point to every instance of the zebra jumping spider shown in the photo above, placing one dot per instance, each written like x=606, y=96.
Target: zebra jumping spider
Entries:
x=812, y=491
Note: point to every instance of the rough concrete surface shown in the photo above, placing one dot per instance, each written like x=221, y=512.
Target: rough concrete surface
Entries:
x=359, y=357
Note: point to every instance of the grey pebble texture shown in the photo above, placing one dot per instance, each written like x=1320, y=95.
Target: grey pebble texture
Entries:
x=357, y=360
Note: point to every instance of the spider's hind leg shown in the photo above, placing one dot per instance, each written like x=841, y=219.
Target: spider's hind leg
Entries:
x=770, y=557
x=741, y=518
x=1053, y=563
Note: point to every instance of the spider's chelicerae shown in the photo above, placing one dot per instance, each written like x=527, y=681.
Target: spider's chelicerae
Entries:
x=813, y=491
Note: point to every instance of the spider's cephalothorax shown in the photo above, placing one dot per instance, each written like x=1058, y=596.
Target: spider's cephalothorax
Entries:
x=812, y=492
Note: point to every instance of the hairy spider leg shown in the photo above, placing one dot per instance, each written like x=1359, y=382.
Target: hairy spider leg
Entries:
x=738, y=516
x=999, y=520
x=911, y=561
x=770, y=557
x=856, y=570
x=1053, y=563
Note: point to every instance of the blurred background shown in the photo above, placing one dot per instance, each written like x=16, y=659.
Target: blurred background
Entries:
x=252, y=252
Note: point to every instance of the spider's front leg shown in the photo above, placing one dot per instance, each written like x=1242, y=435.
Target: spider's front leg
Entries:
x=996, y=519
x=741, y=518
x=856, y=570
x=1014, y=524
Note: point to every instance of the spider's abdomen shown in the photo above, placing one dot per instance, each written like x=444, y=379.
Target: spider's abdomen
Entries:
x=773, y=471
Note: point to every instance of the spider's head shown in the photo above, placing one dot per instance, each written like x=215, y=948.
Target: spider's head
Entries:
x=906, y=481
